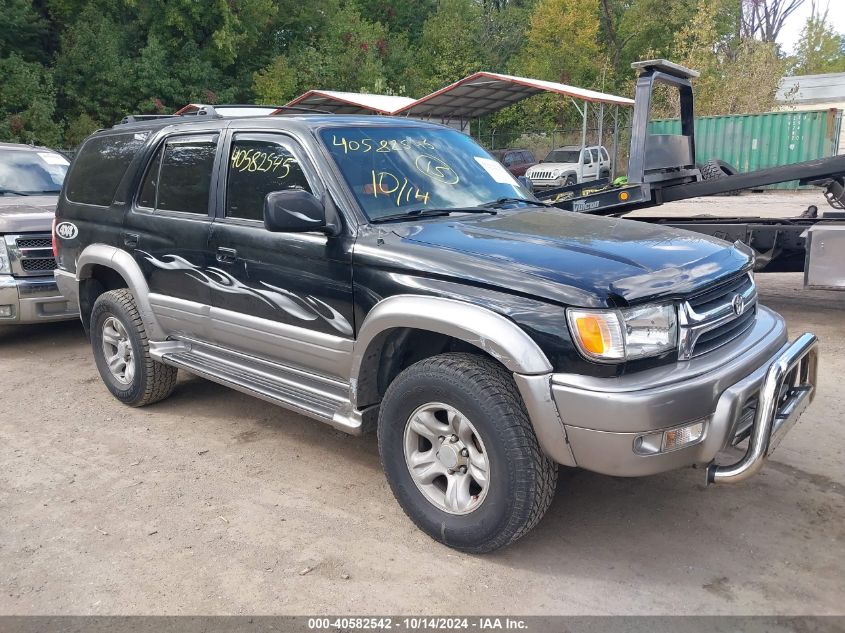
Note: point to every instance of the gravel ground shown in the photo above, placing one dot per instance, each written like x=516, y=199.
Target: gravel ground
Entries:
x=215, y=502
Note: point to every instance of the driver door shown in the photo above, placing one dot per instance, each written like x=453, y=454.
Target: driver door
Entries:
x=283, y=297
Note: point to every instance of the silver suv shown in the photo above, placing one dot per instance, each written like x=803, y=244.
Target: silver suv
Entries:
x=570, y=165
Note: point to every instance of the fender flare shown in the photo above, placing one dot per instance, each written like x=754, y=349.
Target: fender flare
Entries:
x=491, y=332
x=125, y=265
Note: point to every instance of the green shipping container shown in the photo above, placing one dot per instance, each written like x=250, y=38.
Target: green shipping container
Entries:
x=756, y=141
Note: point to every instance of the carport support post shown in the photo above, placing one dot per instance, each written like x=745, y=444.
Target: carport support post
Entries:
x=615, y=143
x=583, y=140
x=601, y=123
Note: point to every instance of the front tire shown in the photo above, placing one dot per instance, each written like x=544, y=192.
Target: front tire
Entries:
x=122, y=352
x=460, y=454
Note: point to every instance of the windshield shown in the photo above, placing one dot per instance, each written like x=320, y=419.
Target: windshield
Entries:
x=27, y=171
x=395, y=170
x=563, y=156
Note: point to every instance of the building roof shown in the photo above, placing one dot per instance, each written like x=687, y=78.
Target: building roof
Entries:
x=349, y=102
x=825, y=88
x=484, y=93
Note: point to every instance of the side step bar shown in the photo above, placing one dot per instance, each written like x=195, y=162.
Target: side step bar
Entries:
x=323, y=399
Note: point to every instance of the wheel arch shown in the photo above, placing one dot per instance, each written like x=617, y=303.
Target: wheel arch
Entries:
x=106, y=265
x=478, y=327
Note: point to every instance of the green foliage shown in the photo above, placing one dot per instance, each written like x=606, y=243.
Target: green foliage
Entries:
x=27, y=103
x=23, y=31
x=70, y=66
x=820, y=49
x=275, y=84
x=738, y=75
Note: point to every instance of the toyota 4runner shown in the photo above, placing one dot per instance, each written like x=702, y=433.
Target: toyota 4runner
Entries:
x=376, y=272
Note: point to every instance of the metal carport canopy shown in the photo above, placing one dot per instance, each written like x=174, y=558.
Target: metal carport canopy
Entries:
x=484, y=93
x=349, y=102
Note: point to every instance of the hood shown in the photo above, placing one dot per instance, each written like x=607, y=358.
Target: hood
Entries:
x=552, y=167
x=571, y=257
x=23, y=214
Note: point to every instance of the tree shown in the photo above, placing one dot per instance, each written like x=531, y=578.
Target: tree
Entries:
x=820, y=49
x=27, y=103
x=562, y=43
x=764, y=19
x=23, y=31
x=450, y=46
x=275, y=84
x=738, y=75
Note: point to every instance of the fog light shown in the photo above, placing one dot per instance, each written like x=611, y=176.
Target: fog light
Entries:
x=671, y=440
x=7, y=311
x=682, y=436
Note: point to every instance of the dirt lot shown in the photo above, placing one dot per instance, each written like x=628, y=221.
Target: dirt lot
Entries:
x=214, y=502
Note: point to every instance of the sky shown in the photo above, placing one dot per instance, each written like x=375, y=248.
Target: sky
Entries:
x=792, y=27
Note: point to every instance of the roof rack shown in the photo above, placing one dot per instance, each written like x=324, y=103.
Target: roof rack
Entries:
x=219, y=111
x=132, y=118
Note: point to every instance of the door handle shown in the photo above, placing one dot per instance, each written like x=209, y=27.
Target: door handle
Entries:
x=226, y=255
x=131, y=239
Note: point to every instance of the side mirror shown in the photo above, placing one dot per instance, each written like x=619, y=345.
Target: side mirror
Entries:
x=526, y=183
x=293, y=211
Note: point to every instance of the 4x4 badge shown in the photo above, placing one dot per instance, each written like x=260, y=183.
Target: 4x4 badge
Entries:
x=67, y=230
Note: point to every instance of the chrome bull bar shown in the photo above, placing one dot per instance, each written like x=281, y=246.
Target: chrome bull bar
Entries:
x=787, y=389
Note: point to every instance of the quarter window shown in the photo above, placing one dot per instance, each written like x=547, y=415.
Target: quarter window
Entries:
x=258, y=166
x=179, y=176
x=100, y=165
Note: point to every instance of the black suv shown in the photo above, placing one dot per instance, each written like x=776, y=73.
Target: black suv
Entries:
x=383, y=272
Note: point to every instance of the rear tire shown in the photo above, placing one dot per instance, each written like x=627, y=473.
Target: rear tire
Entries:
x=122, y=352
x=503, y=484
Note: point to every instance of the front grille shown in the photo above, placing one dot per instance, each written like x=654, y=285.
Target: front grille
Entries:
x=542, y=175
x=38, y=265
x=711, y=320
x=32, y=254
x=34, y=242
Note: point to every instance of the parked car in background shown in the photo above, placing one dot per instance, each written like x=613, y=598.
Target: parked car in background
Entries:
x=516, y=161
x=30, y=181
x=570, y=165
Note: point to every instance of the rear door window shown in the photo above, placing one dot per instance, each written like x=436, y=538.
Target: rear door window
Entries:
x=99, y=167
x=258, y=165
x=179, y=176
x=595, y=154
x=604, y=154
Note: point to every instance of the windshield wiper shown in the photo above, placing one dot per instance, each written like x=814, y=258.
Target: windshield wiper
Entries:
x=17, y=193
x=510, y=200
x=432, y=213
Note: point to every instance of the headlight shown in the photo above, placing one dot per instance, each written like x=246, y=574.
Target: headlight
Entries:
x=615, y=335
x=5, y=265
x=555, y=174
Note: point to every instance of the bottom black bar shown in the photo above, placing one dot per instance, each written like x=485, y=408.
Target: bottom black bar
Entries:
x=333, y=623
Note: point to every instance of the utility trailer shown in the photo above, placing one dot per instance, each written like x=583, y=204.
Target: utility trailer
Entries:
x=662, y=168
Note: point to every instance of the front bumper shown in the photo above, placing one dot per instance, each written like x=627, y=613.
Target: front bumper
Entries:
x=33, y=300
x=735, y=393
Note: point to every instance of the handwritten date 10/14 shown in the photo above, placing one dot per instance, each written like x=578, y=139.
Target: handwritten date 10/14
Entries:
x=399, y=190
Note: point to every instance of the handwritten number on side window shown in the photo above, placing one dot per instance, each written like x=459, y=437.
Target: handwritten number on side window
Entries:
x=250, y=160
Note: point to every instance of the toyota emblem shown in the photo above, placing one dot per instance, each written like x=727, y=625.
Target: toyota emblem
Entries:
x=738, y=304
